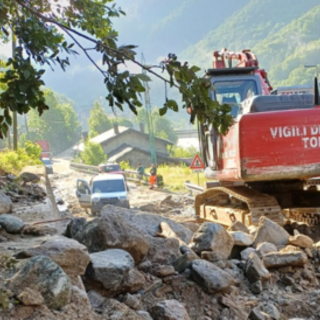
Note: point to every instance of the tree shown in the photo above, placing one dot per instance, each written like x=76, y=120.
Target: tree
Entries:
x=123, y=122
x=98, y=121
x=40, y=27
x=59, y=125
x=93, y=154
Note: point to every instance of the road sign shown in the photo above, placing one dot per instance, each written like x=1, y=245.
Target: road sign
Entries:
x=197, y=163
x=197, y=170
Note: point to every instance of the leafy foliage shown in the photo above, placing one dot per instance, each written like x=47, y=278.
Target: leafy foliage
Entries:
x=59, y=125
x=180, y=152
x=93, y=154
x=39, y=27
x=14, y=161
x=98, y=121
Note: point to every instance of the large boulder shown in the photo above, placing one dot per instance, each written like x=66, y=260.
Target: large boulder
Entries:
x=282, y=259
x=185, y=261
x=110, y=267
x=244, y=254
x=301, y=240
x=148, y=223
x=5, y=204
x=238, y=226
x=69, y=254
x=11, y=223
x=269, y=231
x=212, y=237
x=241, y=239
x=169, y=310
x=112, y=231
x=75, y=225
x=254, y=269
x=210, y=277
x=43, y=275
x=163, y=250
x=266, y=247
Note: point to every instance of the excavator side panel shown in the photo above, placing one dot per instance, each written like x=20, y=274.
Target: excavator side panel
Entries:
x=280, y=145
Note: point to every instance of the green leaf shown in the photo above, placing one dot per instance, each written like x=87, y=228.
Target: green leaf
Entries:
x=163, y=111
x=143, y=77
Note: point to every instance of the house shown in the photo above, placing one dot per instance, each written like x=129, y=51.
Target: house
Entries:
x=127, y=144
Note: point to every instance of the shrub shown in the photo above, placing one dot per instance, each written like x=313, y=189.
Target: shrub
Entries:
x=93, y=154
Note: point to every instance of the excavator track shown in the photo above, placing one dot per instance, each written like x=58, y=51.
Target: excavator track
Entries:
x=225, y=205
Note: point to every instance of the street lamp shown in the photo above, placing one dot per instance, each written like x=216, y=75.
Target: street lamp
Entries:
x=311, y=66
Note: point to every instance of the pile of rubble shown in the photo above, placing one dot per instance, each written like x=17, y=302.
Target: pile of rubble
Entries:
x=133, y=265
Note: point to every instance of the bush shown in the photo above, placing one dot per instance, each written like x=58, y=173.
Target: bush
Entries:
x=93, y=154
x=13, y=161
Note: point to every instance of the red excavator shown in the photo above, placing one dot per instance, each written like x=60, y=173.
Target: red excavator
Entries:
x=265, y=164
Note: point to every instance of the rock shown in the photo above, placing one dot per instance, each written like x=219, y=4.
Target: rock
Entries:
x=148, y=223
x=69, y=254
x=30, y=297
x=212, y=237
x=131, y=301
x=110, y=267
x=169, y=310
x=256, y=287
x=191, y=226
x=246, y=252
x=282, y=259
x=96, y=300
x=144, y=315
x=301, y=240
x=113, y=232
x=235, y=310
x=269, y=231
x=266, y=247
x=162, y=271
x=272, y=311
x=11, y=223
x=254, y=269
x=134, y=281
x=252, y=230
x=163, y=250
x=241, y=239
x=185, y=261
x=5, y=204
x=211, y=277
x=256, y=314
x=238, y=226
x=43, y=275
x=115, y=310
x=39, y=230
x=167, y=232
x=75, y=225
x=29, y=177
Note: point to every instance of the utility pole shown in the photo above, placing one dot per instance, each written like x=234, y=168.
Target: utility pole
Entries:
x=147, y=102
x=15, y=117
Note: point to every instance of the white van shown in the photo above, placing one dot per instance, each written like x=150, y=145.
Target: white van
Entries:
x=103, y=189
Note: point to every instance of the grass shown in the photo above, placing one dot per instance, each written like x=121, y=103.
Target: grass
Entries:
x=174, y=177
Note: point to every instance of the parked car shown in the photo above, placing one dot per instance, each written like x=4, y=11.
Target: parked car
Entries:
x=110, y=168
x=48, y=164
x=103, y=189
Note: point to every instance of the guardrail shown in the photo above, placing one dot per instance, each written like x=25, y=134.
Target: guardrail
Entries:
x=193, y=188
x=130, y=175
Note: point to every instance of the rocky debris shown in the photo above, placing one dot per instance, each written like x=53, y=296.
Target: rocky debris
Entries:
x=257, y=314
x=38, y=230
x=5, y=204
x=11, y=223
x=167, y=232
x=272, y=311
x=131, y=301
x=212, y=237
x=148, y=223
x=238, y=226
x=75, y=225
x=111, y=231
x=246, y=252
x=241, y=239
x=29, y=177
x=162, y=271
x=269, y=231
x=30, y=297
x=185, y=261
x=282, y=259
x=110, y=267
x=96, y=300
x=254, y=269
x=210, y=277
x=266, y=247
x=191, y=226
x=134, y=281
x=301, y=240
x=169, y=310
x=69, y=254
x=42, y=275
x=144, y=315
x=163, y=250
